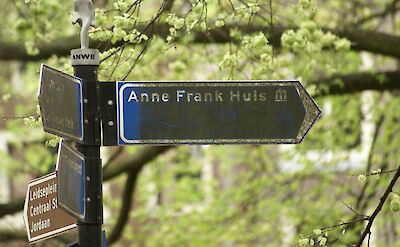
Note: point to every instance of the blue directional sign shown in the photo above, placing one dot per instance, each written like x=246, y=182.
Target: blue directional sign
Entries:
x=216, y=112
x=61, y=104
x=71, y=180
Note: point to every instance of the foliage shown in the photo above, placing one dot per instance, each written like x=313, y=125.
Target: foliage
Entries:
x=317, y=193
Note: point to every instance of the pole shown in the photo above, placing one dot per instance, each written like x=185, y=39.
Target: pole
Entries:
x=86, y=62
x=90, y=230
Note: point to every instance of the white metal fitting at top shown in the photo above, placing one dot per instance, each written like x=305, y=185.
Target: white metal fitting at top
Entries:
x=84, y=15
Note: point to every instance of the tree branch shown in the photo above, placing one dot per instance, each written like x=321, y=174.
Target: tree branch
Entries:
x=114, y=156
x=371, y=41
x=352, y=83
x=391, y=8
x=367, y=230
x=369, y=160
x=12, y=207
x=136, y=161
x=127, y=199
x=362, y=40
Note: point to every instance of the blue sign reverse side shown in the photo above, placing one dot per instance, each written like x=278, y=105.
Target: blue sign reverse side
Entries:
x=71, y=181
x=61, y=103
x=213, y=112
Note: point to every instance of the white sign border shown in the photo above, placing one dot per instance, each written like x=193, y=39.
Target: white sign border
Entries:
x=25, y=215
x=296, y=83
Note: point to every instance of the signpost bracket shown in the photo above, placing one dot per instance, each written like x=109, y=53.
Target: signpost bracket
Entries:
x=93, y=191
x=108, y=113
x=90, y=113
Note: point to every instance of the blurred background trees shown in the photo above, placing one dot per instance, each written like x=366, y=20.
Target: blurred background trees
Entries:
x=321, y=192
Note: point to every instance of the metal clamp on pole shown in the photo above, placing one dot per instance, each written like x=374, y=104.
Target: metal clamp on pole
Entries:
x=85, y=62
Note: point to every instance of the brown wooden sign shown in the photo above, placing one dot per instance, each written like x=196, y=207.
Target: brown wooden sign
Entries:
x=43, y=218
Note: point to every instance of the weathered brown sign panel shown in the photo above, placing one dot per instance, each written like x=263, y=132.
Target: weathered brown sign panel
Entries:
x=43, y=218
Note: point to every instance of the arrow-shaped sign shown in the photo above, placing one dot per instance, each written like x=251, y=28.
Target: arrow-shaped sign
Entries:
x=61, y=103
x=43, y=218
x=216, y=112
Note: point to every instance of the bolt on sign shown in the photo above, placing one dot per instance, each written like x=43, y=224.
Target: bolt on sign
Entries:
x=43, y=218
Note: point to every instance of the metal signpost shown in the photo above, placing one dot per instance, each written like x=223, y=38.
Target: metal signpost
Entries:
x=43, y=218
x=103, y=238
x=90, y=228
x=88, y=114
x=85, y=62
